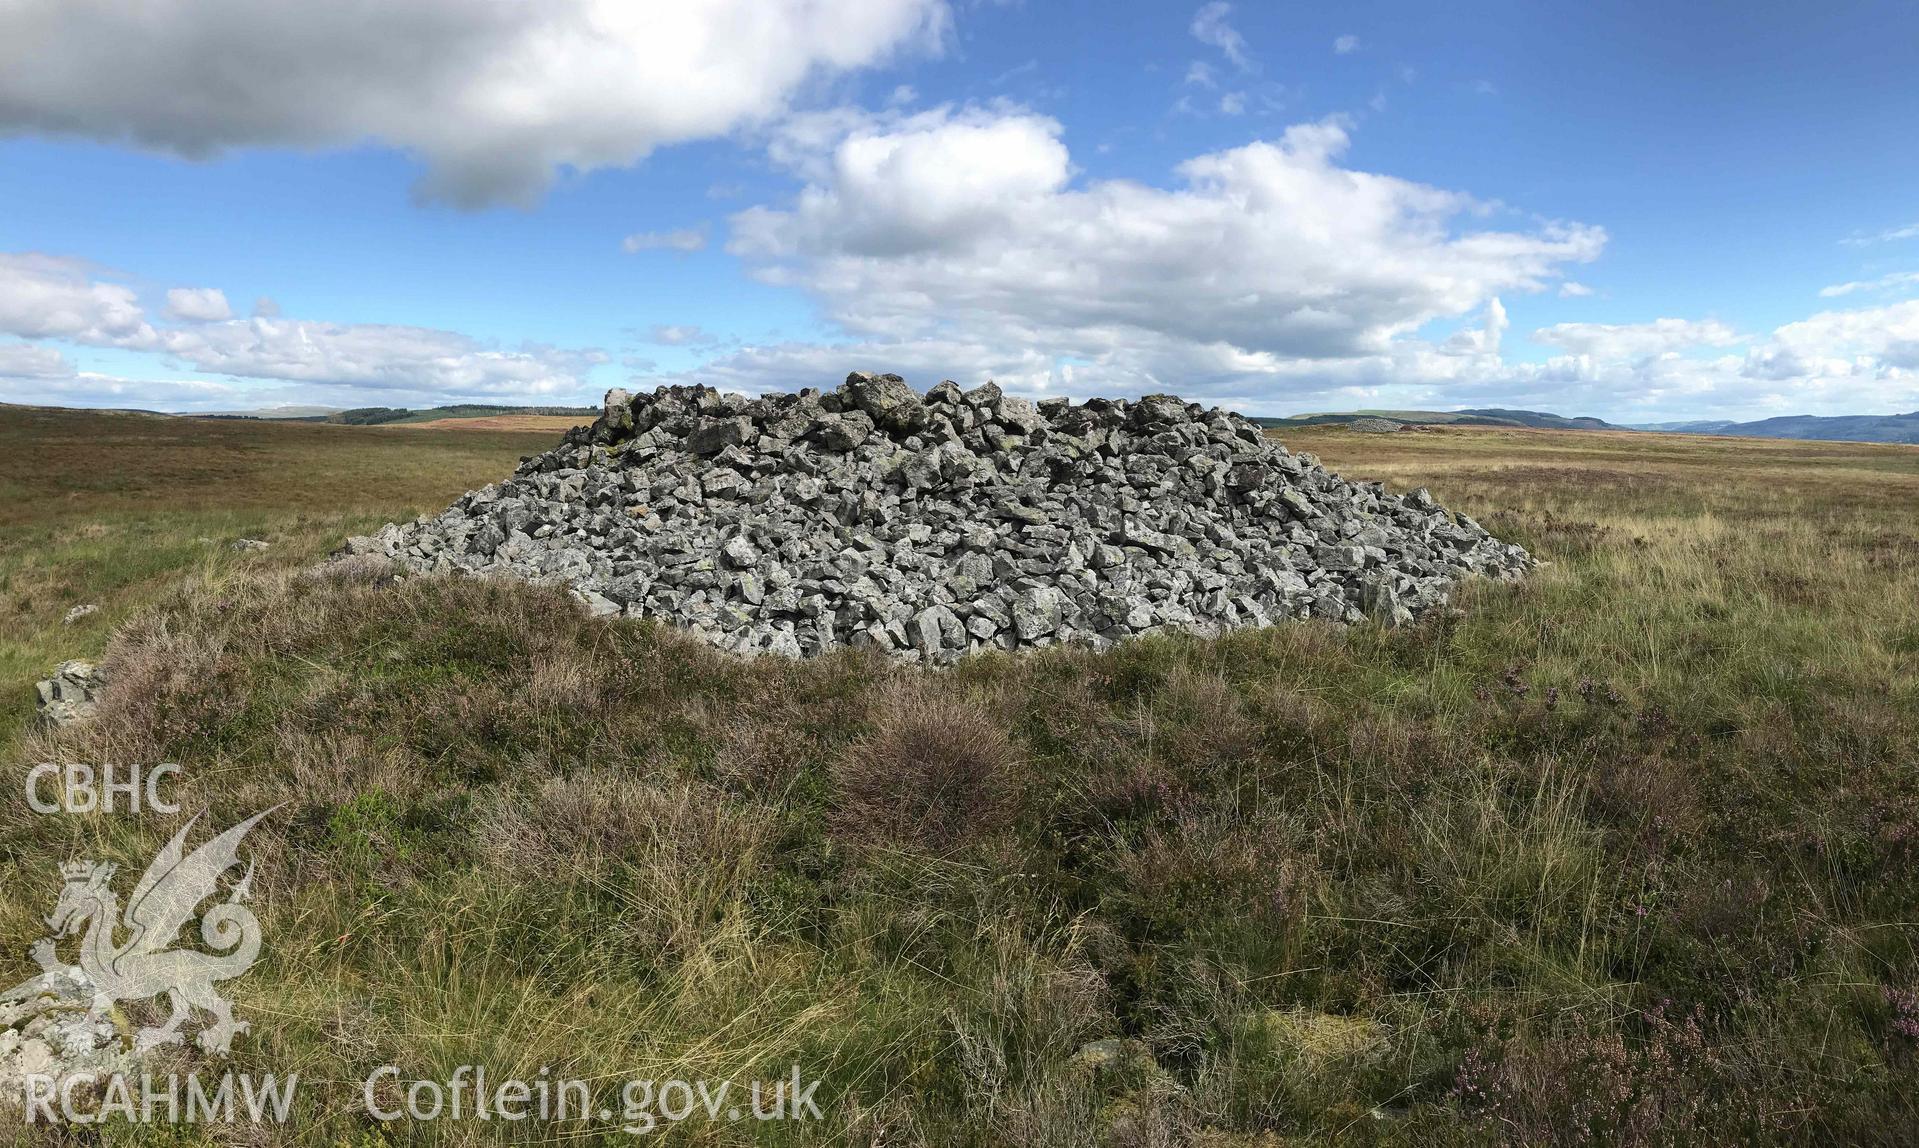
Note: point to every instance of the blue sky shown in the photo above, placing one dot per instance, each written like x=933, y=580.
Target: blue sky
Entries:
x=1637, y=211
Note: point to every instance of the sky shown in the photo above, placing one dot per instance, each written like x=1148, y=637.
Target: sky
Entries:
x=1643, y=212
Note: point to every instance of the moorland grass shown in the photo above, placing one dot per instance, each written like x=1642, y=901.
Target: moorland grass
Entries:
x=1623, y=853
x=106, y=508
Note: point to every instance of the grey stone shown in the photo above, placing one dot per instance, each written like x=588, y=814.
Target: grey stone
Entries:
x=793, y=524
x=739, y=553
x=842, y=432
x=56, y=1024
x=71, y=694
x=711, y=435
x=1037, y=612
x=886, y=399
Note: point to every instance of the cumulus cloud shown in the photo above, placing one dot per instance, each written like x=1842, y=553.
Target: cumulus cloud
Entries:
x=1346, y=45
x=198, y=304
x=1209, y=27
x=1631, y=341
x=685, y=240
x=1272, y=277
x=1835, y=362
x=375, y=356
x=1846, y=342
x=49, y=297
x=30, y=361
x=967, y=227
x=1883, y=283
x=496, y=98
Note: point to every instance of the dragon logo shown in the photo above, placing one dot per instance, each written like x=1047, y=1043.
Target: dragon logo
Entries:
x=146, y=964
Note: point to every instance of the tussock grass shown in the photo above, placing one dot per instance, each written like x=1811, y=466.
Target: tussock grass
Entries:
x=1621, y=854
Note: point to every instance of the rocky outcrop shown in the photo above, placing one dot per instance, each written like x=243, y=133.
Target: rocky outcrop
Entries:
x=71, y=693
x=934, y=525
x=56, y=1025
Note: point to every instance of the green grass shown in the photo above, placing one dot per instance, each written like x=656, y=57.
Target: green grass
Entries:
x=1622, y=854
x=109, y=508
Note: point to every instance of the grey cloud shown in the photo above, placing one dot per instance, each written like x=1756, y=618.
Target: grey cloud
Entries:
x=495, y=97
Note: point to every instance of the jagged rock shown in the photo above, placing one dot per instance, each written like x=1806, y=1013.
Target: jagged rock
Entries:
x=1370, y=425
x=79, y=612
x=891, y=404
x=56, y=1025
x=70, y=694
x=935, y=526
x=250, y=545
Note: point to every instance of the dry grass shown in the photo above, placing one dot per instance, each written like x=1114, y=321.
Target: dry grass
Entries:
x=935, y=772
x=1623, y=854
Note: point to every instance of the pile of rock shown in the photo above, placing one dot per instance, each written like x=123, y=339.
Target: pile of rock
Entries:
x=932, y=526
x=71, y=694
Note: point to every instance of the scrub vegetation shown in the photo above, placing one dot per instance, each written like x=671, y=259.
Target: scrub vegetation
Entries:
x=1621, y=853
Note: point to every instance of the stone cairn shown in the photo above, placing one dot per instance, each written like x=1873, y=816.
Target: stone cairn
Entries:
x=933, y=526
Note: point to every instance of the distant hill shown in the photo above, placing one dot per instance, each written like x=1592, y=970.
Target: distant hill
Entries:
x=380, y=416
x=304, y=413
x=462, y=411
x=1841, y=428
x=1477, y=417
x=1830, y=428
x=1696, y=426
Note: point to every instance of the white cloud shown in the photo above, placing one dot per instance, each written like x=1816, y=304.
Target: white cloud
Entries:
x=92, y=390
x=1233, y=104
x=1210, y=27
x=1200, y=74
x=50, y=297
x=964, y=228
x=265, y=307
x=1346, y=45
x=31, y=361
x=931, y=182
x=1848, y=342
x=685, y=240
x=375, y=356
x=1631, y=341
x=1484, y=339
x=1270, y=277
x=1883, y=283
x=681, y=335
x=198, y=304
x=495, y=97
x=1890, y=235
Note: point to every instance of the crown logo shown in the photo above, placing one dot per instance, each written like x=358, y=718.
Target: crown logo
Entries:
x=77, y=870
